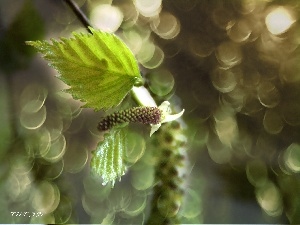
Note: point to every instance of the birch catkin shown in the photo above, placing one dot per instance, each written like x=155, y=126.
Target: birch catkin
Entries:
x=143, y=114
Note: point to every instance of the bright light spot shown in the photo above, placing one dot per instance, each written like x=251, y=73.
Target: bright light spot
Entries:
x=269, y=198
x=228, y=54
x=146, y=52
x=226, y=126
x=279, y=20
x=133, y=40
x=156, y=59
x=45, y=198
x=167, y=27
x=217, y=151
x=292, y=157
x=161, y=82
x=107, y=18
x=130, y=14
x=148, y=8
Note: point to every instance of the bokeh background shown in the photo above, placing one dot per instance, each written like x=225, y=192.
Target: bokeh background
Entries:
x=233, y=65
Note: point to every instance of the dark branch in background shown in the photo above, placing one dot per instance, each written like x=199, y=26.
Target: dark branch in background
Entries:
x=80, y=15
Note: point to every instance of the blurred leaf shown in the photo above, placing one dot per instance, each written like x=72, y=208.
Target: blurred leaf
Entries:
x=107, y=159
x=27, y=25
x=5, y=127
x=99, y=67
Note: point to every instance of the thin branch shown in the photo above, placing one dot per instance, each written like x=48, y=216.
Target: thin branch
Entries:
x=80, y=15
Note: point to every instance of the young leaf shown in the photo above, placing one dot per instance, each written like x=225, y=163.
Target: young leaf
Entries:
x=99, y=67
x=107, y=159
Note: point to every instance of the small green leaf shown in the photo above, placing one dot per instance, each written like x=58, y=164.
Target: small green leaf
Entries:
x=107, y=159
x=99, y=67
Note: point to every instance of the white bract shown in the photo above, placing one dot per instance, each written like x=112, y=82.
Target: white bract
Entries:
x=166, y=116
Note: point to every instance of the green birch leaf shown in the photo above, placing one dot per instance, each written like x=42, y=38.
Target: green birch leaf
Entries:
x=107, y=159
x=99, y=67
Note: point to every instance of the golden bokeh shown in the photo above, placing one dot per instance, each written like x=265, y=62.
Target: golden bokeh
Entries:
x=232, y=65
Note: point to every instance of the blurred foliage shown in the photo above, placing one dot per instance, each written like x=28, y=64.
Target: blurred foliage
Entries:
x=5, y=129
x=27, y=25
x=235, y=74
x=169, y=147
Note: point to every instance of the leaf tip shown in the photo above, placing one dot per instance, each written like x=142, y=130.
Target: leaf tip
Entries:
x=92, y=29
x=32, y=43
x=29, y=42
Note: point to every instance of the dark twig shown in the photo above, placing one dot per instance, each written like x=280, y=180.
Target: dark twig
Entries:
x=80, y=15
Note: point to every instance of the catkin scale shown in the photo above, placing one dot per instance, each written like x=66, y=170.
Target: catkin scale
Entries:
x=143, y=114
